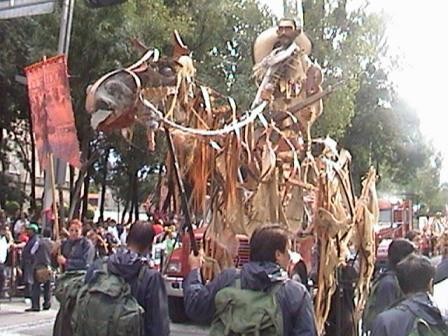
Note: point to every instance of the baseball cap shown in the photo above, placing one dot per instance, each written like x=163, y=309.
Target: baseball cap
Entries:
x=33, y=227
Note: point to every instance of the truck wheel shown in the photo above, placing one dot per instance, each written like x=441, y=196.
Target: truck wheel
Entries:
x=176, y=309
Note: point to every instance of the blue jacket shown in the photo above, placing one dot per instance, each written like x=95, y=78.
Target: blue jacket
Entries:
x=150, y=293
x=399, y=321
x=294, y=299
x=78, y=254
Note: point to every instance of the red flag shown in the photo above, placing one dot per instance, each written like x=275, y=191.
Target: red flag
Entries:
x=52, y=112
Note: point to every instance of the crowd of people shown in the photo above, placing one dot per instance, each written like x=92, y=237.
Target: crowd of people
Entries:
x=27, y=249
x=410, y=295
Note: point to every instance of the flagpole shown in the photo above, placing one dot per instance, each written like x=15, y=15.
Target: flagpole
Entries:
x=53, y=190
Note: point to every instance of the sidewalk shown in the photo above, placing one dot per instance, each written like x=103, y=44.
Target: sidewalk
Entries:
x=14, y=320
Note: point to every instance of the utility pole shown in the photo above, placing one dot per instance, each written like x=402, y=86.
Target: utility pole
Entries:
x=60, y=166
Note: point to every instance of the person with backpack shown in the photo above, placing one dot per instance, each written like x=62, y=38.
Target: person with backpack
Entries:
x=124, y=290
x=76, y=256
x=260, y=299
x=416, y=314
x=385, y=289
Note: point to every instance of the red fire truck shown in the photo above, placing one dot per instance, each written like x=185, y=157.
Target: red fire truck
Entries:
x=395, y=220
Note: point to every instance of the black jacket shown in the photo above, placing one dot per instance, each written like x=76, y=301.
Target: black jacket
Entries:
x=28, y=259
x=388, y=291
x=150, y=293
x=399, y=321
x=294, y=299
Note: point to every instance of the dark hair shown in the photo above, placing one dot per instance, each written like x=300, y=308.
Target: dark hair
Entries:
x=140, y=235
x=86, y=229
x=266, y=240
x=46, y=233
x=398, y=250
x=293, y=21
x=412, y=234
x=415, y=273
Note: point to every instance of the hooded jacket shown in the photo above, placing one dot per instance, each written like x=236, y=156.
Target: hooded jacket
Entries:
x=400, y=320
x=293, y=298
x=149, y=292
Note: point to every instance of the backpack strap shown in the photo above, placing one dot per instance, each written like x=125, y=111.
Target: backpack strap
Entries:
x=238, y=283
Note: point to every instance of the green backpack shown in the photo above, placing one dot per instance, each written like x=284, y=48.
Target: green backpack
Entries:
x=247, y=312
x=106, y=307
x=66, y=291
x=67, y=287
x=422, y=328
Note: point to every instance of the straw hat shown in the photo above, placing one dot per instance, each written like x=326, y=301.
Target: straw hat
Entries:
x=265, y=42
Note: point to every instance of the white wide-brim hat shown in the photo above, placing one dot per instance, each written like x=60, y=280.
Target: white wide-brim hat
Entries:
x=264, y=44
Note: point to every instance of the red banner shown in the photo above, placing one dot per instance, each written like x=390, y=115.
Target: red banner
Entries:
x=52, y=112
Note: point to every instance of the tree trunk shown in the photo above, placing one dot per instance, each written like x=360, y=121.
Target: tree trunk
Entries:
x=135, y=195
x=104, y=185
x=33, y=166
x=3, y=168
x=71, y=183
x=131, y=211
x=85, y=198
x=124, y=212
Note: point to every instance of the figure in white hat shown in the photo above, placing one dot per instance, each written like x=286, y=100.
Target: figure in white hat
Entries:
x=293, y=77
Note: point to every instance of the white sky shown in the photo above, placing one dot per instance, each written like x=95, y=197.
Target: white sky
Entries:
x=417, y=32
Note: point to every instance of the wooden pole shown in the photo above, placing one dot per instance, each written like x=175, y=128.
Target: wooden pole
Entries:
x=53, y=191
x=183, y=195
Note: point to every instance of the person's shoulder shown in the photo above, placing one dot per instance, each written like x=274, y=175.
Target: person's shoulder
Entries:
x=293, y=290
x=230, y=273
x=394, y=314
x=84, y=241
x=292, y=284
x=393, y=318
x=387, y=281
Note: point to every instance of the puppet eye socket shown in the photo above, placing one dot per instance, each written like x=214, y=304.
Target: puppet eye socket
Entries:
x=166, y=71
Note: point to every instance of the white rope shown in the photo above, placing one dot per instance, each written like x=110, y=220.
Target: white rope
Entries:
x=250, y=117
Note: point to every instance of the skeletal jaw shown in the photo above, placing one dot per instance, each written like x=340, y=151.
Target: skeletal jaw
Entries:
x=99, y=117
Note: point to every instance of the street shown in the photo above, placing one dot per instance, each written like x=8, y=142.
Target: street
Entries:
x=14, y=321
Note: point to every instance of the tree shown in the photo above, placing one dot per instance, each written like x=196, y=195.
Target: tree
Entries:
x=348, y=41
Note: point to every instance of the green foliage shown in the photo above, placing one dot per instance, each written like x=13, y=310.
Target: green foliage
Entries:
x=11, y=208
x=365, y=114
x=90, y=214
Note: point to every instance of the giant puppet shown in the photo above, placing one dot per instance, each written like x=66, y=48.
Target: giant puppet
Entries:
x=246, y=167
